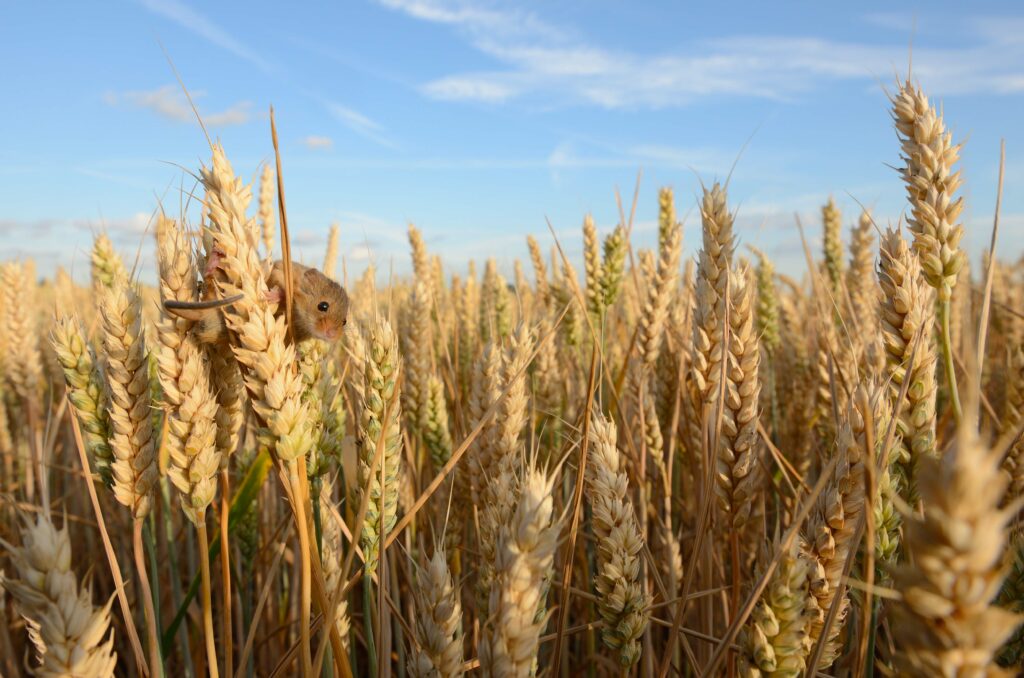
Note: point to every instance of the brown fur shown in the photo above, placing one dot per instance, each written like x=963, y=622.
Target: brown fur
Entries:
x=310, y=289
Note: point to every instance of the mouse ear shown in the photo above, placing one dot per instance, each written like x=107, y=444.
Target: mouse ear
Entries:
x=309, y=274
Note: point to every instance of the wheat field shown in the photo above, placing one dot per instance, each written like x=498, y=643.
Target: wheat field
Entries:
x=681, y=462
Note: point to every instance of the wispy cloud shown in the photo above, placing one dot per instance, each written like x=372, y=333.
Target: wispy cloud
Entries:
x=360, y=124
x=318, y=143
x=197, y=23
x=549, y=64
x=169, y=102
x=572, y=155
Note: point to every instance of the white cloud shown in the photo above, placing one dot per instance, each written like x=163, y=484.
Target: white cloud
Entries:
x=360, y=253
x=550, y=64
x=126, y=228
x=568, y=155
x=170, y=102
x=193, y=21
x=359, y=123
x=476, y=20
x=484, y=88
x=316, y=143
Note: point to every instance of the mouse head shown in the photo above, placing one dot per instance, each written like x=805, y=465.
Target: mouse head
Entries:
x=325, y=306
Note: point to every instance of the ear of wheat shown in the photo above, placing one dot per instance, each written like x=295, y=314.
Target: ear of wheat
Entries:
x=267, y=361
x=70, y=635
x=379, y=427
x=907, y=330
x=777, y=638
x=439, y=621
x=86, y=391
x=134, y=468
x=523, y=561
x=947, y=623
x=929, y=155
x=621, y=599
x=185, y=380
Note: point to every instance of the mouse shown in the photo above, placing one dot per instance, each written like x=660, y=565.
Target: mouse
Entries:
x=319, y=305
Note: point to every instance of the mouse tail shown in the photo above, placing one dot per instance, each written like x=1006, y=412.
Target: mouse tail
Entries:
x=197, y=310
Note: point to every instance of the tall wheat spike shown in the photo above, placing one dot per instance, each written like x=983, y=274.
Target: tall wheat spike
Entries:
x=379, y=425
x=185, y=380
x=777, y=638
x=906, y=318
x=523, y=561
x=713, y=272
x=929, y=155
x=267, y=361
x=23, y=363
x=106, y=263
x=66, y=630
x=438, y=628
x=621, y=599
x=134, y=468
x=947, y=623
x=833, y=523
x=331, y=252
x=832, y=222
x=265, y=209
x=738, y=471
x=86, y=391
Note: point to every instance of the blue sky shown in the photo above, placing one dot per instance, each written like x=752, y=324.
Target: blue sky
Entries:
x=480, y=120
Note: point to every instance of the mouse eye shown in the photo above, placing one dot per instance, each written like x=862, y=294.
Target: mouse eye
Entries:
x=323, y=306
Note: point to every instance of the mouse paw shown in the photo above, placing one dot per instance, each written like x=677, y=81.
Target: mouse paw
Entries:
x=215, y=261
x=274, y=295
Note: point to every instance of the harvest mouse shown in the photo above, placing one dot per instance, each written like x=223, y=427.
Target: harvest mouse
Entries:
x=319, y=306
